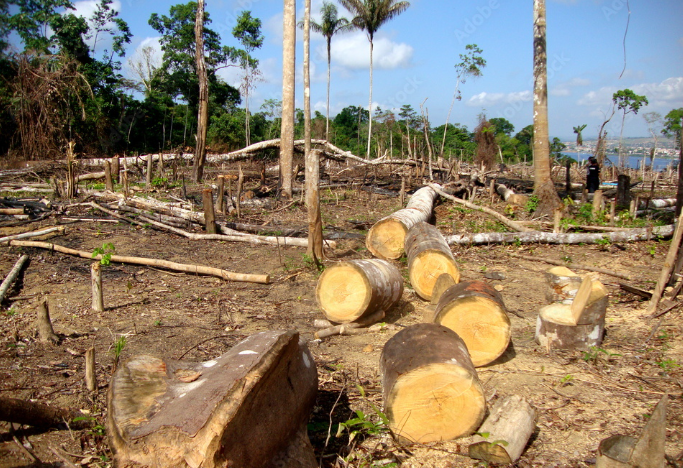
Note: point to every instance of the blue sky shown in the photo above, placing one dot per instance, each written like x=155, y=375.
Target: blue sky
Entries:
x=416, y=52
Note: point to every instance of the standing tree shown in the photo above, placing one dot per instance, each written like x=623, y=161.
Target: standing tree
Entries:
x=485, y=137
x=654, y=123
x=544, y=189
x=672, y=125
x=471, y=63
x=203, y=114
x=579, y=138
x=248, y=33
x=315, y=225
x=370, y=15
x=330, y=24
x=288, y=68
x=626, y=101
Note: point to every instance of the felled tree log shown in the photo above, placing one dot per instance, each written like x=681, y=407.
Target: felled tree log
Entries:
x=350, y=290
x=510, y=196
x=243, y=409
x=12, y=275
x=38, y=414
x=647, y=451
x=428, y=257
x=442, y=284
x=562, y=285
x=431, y=389
x=505, y=432
x=477, y=313
x=38, y=233
x=386, y=238
x=628, y=235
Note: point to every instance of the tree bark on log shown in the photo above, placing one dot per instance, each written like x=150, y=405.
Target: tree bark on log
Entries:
x=386, y=237
x=555, y=329
x=562, y=285
x=12, y=276
x=510, y=196
x=428, y=257
x=38, y=414
x=243, y=409
x=476, y=312
x=26, y=235
x=351, y=290
x=195, y=269
x=508, y=428
x=533, y=237
x=431, y=389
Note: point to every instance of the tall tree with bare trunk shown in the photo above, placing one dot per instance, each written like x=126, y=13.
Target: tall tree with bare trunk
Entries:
x=544, y=189
x=288, y=68
x=203, y=114
x=370, y=15
x=315, y=224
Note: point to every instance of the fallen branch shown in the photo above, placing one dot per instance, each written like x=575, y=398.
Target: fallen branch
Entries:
x=196, y=269
x=574, y=266
x=351, y=328
x=38, y=414
x=11, y=276
x=511, y=224
x=534, y=237
x=26, y=235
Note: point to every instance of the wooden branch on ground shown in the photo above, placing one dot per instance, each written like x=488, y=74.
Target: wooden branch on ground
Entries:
x=194, y=269
x=538, y=237
x=26, y=235
x=11, y=276
x=511, y=224
x=351, y=328
x=574, y=266
x=669, y=263
x=38, y=414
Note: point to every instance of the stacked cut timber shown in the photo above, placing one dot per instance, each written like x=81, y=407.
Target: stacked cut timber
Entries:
x=476, y=312
x=349, y=291
x=562, y=285
x=386, y=237
x=431, y=389
x=428, y=257
x=578, y=325
x=247, y=408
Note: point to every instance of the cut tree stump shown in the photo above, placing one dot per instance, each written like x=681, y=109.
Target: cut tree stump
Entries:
x=247, y=408
x=476, y=312
x=428, y=257
x=510, y=196
x=562, y=285
x=348, y=291
x=590, y=304
x=505, y=432
x=431, y=389
x=386, y=237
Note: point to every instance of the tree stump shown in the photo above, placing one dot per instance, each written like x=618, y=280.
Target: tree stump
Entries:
x=350, y=290
x=562, y=285
x=247, y=408
x=505, y=431
x=386, y=237
x=476, y=312
x=431, y=389
x=428, y=257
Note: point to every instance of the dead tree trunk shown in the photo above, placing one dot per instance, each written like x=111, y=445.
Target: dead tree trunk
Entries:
x=386, y=238
x=247, y=408
x=348, y=291
x=203, y=111
x=428, y=257
x=431, y=389
x=476, y=312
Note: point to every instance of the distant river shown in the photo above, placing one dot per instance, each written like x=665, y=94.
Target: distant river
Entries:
x=633, y=162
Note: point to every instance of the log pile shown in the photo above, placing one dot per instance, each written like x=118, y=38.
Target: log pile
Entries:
x=577, y=323
x=431, y=389
x=249, y=407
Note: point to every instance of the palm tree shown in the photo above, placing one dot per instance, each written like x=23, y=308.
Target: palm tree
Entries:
x=330, y=24
x=579, y=137
x=370, y=15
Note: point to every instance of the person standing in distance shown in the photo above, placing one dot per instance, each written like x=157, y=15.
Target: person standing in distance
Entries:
x=592, y=175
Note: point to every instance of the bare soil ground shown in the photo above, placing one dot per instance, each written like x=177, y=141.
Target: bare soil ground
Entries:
x=581, y=397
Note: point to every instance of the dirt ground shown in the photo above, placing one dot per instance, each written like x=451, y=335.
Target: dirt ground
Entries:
x=581, y=397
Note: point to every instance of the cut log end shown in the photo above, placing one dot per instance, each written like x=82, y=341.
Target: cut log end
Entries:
x=442, y=283
x=426, y=268
x=343, y=293
x=446, y=390
x=386, y=239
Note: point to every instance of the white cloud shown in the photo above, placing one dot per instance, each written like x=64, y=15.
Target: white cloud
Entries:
x=484, y=99
x=353, y=51
x=565, y=88
x=668, y=93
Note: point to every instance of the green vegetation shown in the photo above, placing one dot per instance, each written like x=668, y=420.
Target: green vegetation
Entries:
x=106, y=251
x=362, y=424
